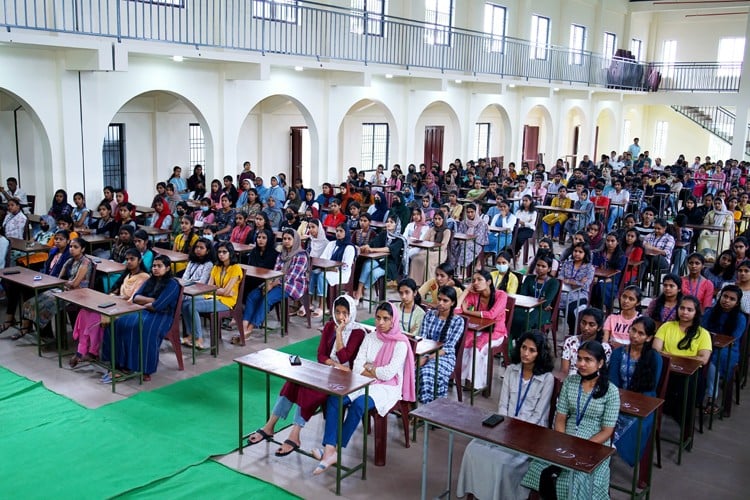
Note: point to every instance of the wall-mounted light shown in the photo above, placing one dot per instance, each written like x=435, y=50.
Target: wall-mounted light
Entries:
x=298, y=68
x=512, y=85
x=556, y=89
x=458, y=81
x=178, y=58
x=388, y=76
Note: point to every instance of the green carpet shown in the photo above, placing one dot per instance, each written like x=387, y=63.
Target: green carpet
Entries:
x=139, y=445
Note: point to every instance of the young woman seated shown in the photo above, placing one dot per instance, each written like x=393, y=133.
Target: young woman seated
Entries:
x=488, y=471
x=503, y=278
x=611, y=258
x=410, y=306
x=695, y=284
x=664, y=307
x=386, y=357
x=339, y=250
x=338, y=347
x=590, y=323
x=373, y=269
x=419, y=266
x=587, y=408
x=539, y=285
x=200, y=262
x=184, y=241
x=617, y=326
x=577, y=272
x=444, y=276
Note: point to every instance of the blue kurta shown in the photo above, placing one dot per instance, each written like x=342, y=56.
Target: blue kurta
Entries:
x=431, y=328
x=156, y=324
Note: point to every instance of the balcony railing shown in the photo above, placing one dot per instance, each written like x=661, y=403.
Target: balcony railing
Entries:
x=326, y=32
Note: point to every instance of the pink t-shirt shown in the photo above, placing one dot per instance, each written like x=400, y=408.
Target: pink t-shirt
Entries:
x=618, y=328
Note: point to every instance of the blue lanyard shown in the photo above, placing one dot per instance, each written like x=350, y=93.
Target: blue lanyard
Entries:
x=519, y=403
x=408, y=326
x=579, y=414
x=627, y=371
x=694, y=292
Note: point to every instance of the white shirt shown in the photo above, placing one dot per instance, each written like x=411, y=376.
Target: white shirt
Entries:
x=346, y=270
x=384, y=396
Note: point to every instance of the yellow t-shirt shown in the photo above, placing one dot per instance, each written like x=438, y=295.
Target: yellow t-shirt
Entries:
x=221, y=278
x=671, y=334
x=179, y=243
x=497, y=278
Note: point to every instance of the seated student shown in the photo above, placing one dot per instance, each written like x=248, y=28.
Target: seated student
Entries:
x=261, y=224
x=142, y=243
x=293, y=262
x=722, y=271
x=161, y=193
x=384, y=356
x=661, y=243
x=45, y=236
x=664, y=307
x=162, y=218
x=335, y=216
x=373, y=269
x=488, y=471
x=580, y=221
x=204, y=216
x=89, y=326
x=241, y=231
x=684, y=235
x=539, y=285
x=554, y=221
x=443, y=277
x=226, y=275
x=683, y=337
x=740, y=247
x=364, y=234
x=274, y=213
x=441, y=325
x=544, y=249
x=610, y=257
x=482, y=300
x=77, y=270
x=646, y=227
x=105, y=224
x=438, y=233
x=590, y=323
x=426, y=206
x=355, y=211
x=628, y=223
x=617, y=326
x=57, y=256
x=338, y=347
x=81, y=212
x=695, y=284
x=577, y=271
x=401, y=211
x=379, y=209
x=472, y=251
x=726, y=318
x=339, y=250
x=126, y=211
x=410, y=307
x=504, y=219
x=595, y=421
x=635, y=367
x=456, y=209
x=184, y=241
x=503, y=278
x=200, y=262
x=417, y=229
x=719, y=217
x=159, y=294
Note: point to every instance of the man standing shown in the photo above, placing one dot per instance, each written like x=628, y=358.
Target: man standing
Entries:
x=634, y=149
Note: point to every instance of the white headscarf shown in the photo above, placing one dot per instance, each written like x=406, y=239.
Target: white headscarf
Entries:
x=318, y=244
x=350, y=324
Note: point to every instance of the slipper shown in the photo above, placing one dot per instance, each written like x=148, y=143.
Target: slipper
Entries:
x=7, y=325
x=317, y=453
x=301, y=312
x=236, y=339
x=317, y=313
x=321, y=468
x=21, y=333
x=187, y=342
x=289, y=442
x=262, y=434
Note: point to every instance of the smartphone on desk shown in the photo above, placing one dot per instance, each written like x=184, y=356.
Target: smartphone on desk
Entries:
x=493, y=420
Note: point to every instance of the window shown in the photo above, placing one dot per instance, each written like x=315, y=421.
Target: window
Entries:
x=660, y=139
x=669, y=57
x=494, y=24
x=577, y=44
x=375, y=141
x=539, y=37
x=482, y=144
x=718, y=148
x=113, y=156
x=438, y=18
x=197, y=145
x=636, y=48
x=368, y=17
x=731, y=55
x=609, y=45
x=276, y=10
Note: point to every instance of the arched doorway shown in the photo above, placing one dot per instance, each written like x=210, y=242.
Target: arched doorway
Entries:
x=537, y=135
x=492, y=136
x=439, y=126
x=367, y=137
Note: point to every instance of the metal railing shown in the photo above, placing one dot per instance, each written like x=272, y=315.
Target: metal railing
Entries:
x=716, y=119
x=326, y=32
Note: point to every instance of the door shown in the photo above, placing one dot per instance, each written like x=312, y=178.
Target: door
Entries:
x=433, y=144
x=297, y=153
x=576, y=138
x=530, y=151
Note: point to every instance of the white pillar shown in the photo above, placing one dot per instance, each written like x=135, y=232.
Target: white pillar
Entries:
x=739, y=135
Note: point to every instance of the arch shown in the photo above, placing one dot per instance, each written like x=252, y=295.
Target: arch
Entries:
x=25, y=148
x=350, y=133
x=540, y=116
x=265, y=132
x=501, y=133
x=607, y=140
x=572, y=144
x=144, y=116
x=440, y=114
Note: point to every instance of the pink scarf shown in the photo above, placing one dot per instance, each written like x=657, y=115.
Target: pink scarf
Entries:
x=390, y=339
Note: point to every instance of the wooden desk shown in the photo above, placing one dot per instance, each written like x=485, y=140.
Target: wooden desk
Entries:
x=465, y=238
x=477, y=326
x=174, y=256
x=687, y=368
x=154, y=232
x=241, y=248
x=326, y=265
x=107, y=267
x=89, y=299
x=376, y=224
x=143, y=210
x=428, y=246
x=26, y=278
x=528, y=304
x=192, y=289
x=267, y=275
x=28, y=247
x=635, y=404
x=98, y=239
x=313, y=375
x=375, y=256
x=566, y=451
x=702, y=227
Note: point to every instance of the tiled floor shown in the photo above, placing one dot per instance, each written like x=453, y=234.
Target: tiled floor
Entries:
x=716, y=468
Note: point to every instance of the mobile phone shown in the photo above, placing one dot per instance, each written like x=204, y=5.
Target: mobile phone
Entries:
x=492, y=420
x=37, y=278
x=294, y=360
x=106, y=305
x=97, y=261
x=14, y=271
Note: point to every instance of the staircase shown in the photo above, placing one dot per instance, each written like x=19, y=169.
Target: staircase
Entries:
x=716, y=119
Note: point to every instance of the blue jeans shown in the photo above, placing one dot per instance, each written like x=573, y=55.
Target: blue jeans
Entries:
x=353, y=417
x=255, y=312
x=202, y=305
x=371, y=272
x=555, y=229
x=614, y=213
x=281, y=410
x=317, y=281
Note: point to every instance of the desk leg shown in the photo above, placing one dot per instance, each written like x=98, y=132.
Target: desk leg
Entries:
x=634, y=484
x=217, y=329
x=651, y=458
x=36, y=320
x=425, y=456
x=450, y=463
x=716, y=388
x=60, y=331
x=265, y=308
x=192, y=315
x=140, y=347
x=340, y=427
x=426, y=264
x=473, y=368
x=726, y=385
x=112, y=353
x=683, y=418
x=325, y=297
x=239, y=410
x=268, y=396
x=364, y=434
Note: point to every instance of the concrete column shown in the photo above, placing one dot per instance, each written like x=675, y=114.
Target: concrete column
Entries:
x=739, y=134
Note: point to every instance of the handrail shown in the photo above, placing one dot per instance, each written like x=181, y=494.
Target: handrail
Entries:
x=329, y=32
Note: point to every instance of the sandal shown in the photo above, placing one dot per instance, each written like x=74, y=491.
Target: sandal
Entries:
x=237, y=340
x=187, y=341
x=289, y=442
x=317, y=313
x=21, y=333
x=263, y=437
x=301, y=312
x=7, y=325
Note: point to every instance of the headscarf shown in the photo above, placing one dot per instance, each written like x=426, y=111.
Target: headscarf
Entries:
x=400, y=211
x=381, y=208
x=165, y=211
x=418, y=226
x=295, y=203
x=439, y=231
x=430, y=180
x=720, y=216
x=51, y=222
x=338, y=252
x=407, y=199
x=472, y=224
x=318, y=244
x=287, y=256
x=350, y=324
x=385, y=353
x=125, y=199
